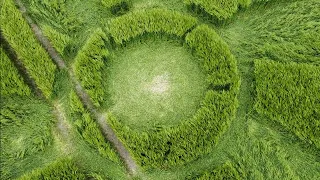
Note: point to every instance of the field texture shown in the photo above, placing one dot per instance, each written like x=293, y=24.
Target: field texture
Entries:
x=160, y=89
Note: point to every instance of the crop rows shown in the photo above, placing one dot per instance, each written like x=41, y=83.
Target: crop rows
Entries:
x=89, y=129
x=11, y=81
x=290, y=94
x=21, y=38
x=151, y=21
x=60, y=169
x=195, y=136
x=220, y=9
x=58, y=40
x=89, y=64
x=216, y=58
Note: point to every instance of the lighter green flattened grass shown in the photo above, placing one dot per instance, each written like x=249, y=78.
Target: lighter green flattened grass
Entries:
x=26, y=131
x=155, y=83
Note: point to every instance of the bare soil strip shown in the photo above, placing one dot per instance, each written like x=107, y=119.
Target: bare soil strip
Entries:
x=41, y=38
x=63, y=128
x=107, y=130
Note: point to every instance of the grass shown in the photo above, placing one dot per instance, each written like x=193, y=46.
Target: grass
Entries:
x=176, y=5
x=154, y=82
x=26, y=130
x=61, y=169
x=257, y=146
x=12, y=82
x=255, y=142
x=258, y=32
x=289, y=94
x=28, y=49
x=86, y=156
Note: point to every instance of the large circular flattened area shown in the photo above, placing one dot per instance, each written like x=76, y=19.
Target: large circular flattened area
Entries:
x=155, y=83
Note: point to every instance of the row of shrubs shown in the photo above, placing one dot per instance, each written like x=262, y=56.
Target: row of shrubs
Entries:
x=60, y=169
x=156, y=20
x=289, y=93
x=89, y=66
x=11, y=81
x=195, y=136
x=18, y=33
x=89, y=130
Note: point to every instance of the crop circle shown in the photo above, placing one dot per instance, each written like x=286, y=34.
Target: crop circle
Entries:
x=157, y=82
x=164, y=146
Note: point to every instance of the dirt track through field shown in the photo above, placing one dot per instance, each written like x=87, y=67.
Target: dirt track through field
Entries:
x=101, y=118
x=63, y=128
x=42, y=39
x=106, y=129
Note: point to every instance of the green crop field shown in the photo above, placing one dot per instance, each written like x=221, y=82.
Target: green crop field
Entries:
x=160, y=89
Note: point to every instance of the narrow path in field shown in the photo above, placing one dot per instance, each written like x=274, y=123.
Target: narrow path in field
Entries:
x=101, y=118
x=39, y=35
x=106, y=129
x=63, y=127
x=245, y=97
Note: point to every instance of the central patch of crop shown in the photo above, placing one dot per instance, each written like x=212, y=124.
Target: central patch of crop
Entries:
x=155, y=83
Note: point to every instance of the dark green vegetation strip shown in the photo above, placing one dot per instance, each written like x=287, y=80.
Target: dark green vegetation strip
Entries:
x=216, y=58
x=60, y=169
x=117, y=6
x=21, y=38
x=150, y=21
x=172, y=146
x=220, y=9
x=11, y=81
x=112, y=3
x=89, y=129
x=290, y=94
x=89, y=65
x=26, y=129
x=58, y=40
